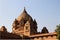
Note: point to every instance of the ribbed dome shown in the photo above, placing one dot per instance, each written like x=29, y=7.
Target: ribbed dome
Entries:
x=24, y=15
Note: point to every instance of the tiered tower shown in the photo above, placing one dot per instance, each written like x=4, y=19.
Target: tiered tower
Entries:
x=24, y=24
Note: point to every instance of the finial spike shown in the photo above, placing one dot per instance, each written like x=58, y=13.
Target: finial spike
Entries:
x=24, y=8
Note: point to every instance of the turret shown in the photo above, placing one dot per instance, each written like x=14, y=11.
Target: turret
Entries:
x=3, y=29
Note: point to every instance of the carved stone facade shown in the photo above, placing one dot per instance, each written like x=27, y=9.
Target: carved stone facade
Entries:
x=24, y=27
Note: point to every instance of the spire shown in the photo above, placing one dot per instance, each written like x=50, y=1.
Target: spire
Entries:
x=24, y=10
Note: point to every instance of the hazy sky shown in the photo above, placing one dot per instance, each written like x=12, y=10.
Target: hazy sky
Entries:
x=46, y=12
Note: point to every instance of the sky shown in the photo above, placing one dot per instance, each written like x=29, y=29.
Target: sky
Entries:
x=46, y=12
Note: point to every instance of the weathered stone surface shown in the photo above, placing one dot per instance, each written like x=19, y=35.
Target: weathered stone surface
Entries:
x=24, y=27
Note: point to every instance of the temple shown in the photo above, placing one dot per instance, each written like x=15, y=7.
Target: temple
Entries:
x=25, y=27
x=24, y=24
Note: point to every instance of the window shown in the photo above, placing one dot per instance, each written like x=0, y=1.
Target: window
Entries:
x=26, y=27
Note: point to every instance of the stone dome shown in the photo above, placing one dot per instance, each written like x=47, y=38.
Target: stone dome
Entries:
x=24, y=15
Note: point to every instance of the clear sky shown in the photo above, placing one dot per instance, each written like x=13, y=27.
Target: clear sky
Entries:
x=46, y=12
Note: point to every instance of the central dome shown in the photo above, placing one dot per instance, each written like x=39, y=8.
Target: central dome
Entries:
x=24, y=15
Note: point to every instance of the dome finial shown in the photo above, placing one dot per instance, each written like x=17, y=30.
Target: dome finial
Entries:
x=24, y=9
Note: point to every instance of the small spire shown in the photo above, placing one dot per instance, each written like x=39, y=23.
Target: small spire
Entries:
x=24, y=8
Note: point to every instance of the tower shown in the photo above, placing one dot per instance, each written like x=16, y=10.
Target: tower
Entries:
x=24, y=24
